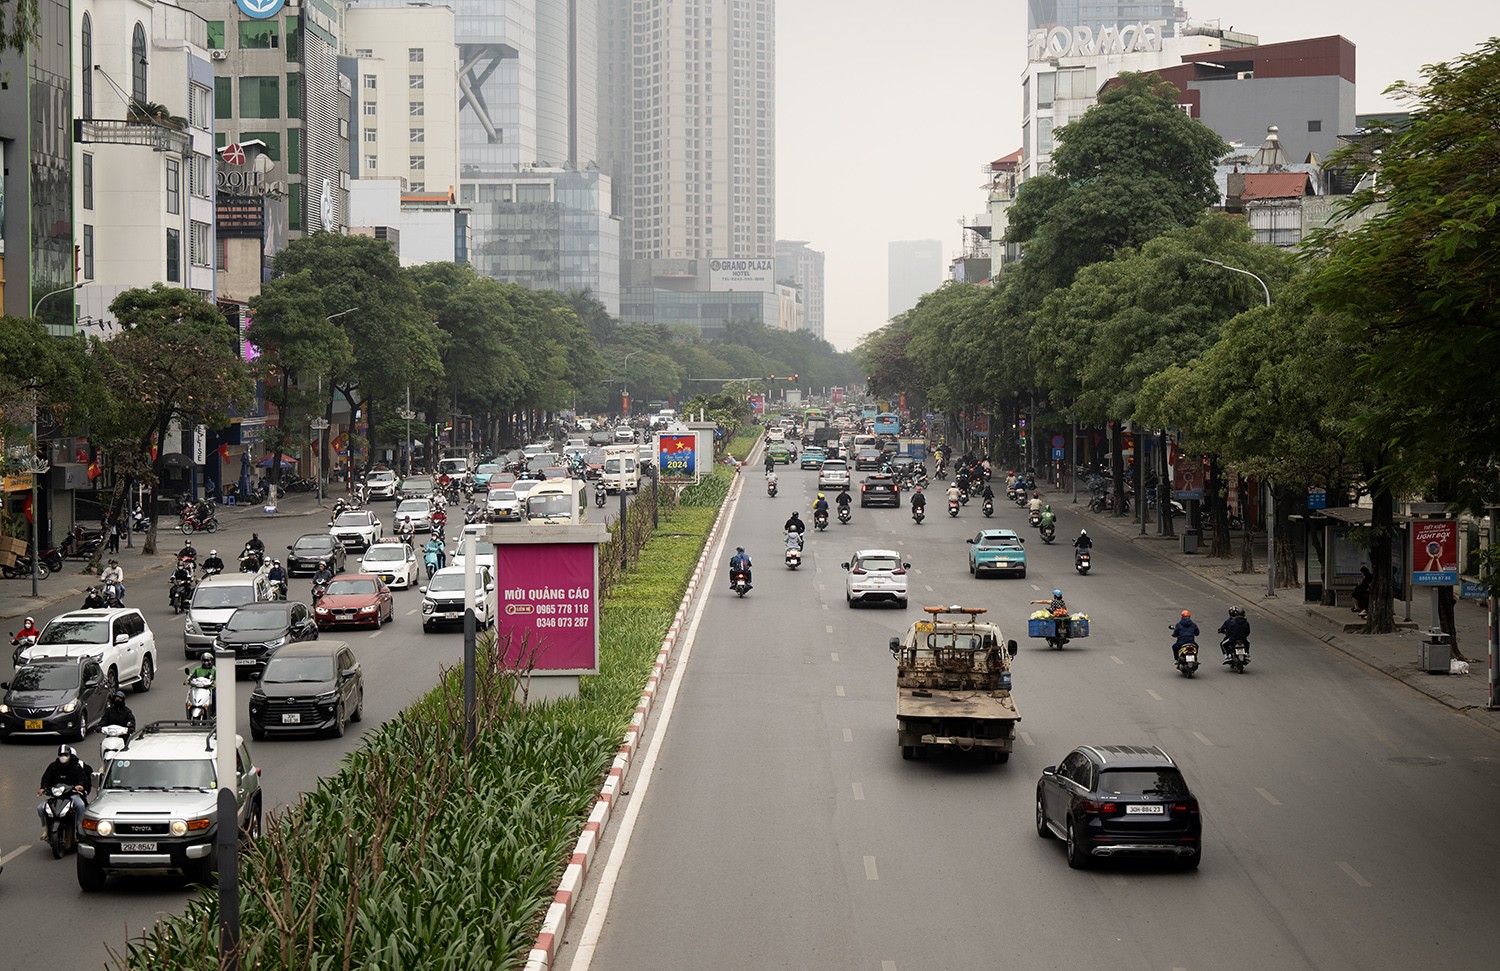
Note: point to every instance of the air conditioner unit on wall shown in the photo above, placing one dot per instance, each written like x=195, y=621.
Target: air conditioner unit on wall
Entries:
x=218, y=55
x=1245, y=76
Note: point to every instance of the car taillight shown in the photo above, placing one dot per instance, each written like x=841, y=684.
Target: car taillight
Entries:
x=1191, y=806
x=1090, y=806
x=857, y=571
x=899, y=573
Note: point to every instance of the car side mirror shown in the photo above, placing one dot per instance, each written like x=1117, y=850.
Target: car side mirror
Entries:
x=895, y=646
x=1010, y=646
x=187, y=670
x=906, y=566
x=289, y=548
x=970, y=541
x=421, y=590
x=122, y=638
x=844, y=566
x=1050, y=770
x=5, y=685
x=88, y=683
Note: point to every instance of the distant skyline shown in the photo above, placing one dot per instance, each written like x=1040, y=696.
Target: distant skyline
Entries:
x=885, y=120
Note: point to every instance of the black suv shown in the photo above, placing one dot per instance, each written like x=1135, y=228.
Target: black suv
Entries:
x=880, y=489
x=311, y=687
x=255, y=630
x=303, y=555
x=1119, y=800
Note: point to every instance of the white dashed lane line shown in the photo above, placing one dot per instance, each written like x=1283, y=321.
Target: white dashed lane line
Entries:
x=828, y=628
x=870, y=872
x=859, y=792
x=1203, y=738
x=1353, y=874
x=834, y=656
x=1153, y=694
x=411, y=611
x=1267, y=796
x=1026, y=737
x=848, y=734
x=838, y=689
x=1115, y=659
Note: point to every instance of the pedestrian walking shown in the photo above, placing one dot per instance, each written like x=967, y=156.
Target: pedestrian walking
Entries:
x=114, y=534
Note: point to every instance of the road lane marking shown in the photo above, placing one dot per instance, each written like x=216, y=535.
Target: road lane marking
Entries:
x=828, y=628
x=859, y=792
x=15, y=853
x=887, y=966
x=834, y=655
x=411, y=611
x=1026, y=737
x=1121, y=881
x=848, y=734
x=1115, y=659
x=376, y=634
x=838, y=689
x=1353, y=873
x=825, y=606
x=870, y=873
x=929, y=589
x=1203, y=738
x=1153, y=694
x=1268, y=797
x=822, y=587
x=1035, y=587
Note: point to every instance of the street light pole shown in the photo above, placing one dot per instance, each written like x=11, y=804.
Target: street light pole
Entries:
x=37, y=306
x=1270, y=489
x=408, y=415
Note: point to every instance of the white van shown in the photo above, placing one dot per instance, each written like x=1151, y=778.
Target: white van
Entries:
x=558, y=502
x=622, y=468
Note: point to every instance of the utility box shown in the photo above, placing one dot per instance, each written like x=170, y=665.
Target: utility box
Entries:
x=1190, y=540
x=1435, y=654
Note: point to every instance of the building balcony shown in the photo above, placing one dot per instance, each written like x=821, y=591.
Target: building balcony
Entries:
x=154, y=135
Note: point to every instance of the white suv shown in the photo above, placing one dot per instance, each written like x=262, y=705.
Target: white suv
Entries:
x=876, y=576
x=834, y=474
x=443, y=599
x=116, y=637
x=380, y=484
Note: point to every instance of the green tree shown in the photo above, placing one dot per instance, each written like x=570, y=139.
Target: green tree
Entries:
x=300, y=350
x=18, y=23
x=1420, y=278
x=176, y=360
x=1134, y=166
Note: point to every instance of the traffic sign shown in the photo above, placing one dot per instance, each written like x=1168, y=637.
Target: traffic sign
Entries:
x=1057, y=453
x=1057, y=442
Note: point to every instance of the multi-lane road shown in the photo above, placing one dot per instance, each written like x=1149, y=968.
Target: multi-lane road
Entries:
x=770, y=821
x=49, y=922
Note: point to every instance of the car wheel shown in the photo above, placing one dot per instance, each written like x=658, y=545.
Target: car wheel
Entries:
x=337, y=731
x=91, y=876
x=1042, y=829
x=426, y=628
x=908, y=752
x=111, y=681
x=252, y=828
x=1078, y=857
x=904, y=603
x=148, y=674
x=359, y=709
x=972, y=571
x=1023, y=574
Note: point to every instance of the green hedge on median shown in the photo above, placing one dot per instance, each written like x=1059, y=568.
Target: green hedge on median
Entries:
x=415, y=857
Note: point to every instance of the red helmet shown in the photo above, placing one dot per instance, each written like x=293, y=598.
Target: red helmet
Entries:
x=1187, y=613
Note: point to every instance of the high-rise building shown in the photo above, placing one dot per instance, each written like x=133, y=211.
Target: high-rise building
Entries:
x=915, y=267
x=688, y=91
x=540, y=211
x=802, y=266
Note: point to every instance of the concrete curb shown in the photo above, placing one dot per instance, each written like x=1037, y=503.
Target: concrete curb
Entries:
x=1431, y=686
x=544, y=950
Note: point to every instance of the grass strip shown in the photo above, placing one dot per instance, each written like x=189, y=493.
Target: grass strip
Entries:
x=413, y=856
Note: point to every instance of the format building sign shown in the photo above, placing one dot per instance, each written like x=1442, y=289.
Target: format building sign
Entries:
x=1055, y=42
x=241, y=217
x=742, y=275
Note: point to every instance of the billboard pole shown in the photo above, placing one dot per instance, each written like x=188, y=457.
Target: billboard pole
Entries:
x=470, y=625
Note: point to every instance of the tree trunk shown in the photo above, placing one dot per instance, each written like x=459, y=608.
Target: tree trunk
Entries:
x=1445, y=604
x=1381, y=618
x=1286, y=548
x=1222, y=545
x=1117, y=465
x=1164, y=492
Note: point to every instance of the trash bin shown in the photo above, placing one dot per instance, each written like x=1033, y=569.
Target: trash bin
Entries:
x=1435, y=653
x=1190, y=539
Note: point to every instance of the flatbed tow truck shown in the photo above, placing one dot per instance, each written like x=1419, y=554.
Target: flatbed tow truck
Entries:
x=953, y=679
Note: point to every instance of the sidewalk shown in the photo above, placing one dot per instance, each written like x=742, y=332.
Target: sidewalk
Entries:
x=61, y=591
x=1395, y=655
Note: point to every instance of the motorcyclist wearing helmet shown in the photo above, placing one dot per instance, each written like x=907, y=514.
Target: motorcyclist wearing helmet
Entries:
x=257, y=544
x=739, y=563
x=205, y=668
x=1083, y=542
x=1058, y=608
x=117, y=712
x=277, y=573
x=188, y=551
x=953, y=492
x=214, y=563
x=794, y=524
x=1183, y=632
x=28, y=629
x=770, y=463
x=918, y=499
x=323, y=574
x=1235, y=628
x=70, y=769
x=820, y=505
x=1035, y=505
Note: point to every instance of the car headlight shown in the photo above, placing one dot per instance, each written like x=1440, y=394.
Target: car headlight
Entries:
x=367, y=610
x=428, y=606
x=190, y=627
x=4, y=709
x=69, y=708
x=322, y=610
x=272, y=645
x=104, y=827
x=179, y=827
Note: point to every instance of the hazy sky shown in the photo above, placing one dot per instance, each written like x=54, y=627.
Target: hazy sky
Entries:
x=887, y=110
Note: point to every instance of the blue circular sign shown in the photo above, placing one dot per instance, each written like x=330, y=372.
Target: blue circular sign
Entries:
x=260, y=9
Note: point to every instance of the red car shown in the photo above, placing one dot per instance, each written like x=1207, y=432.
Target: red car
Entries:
x=360, y=599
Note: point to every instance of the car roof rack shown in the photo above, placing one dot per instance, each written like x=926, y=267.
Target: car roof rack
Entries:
x=181, y=727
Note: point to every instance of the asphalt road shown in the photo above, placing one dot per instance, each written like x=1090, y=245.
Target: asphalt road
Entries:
x=1348, y=821
x=50, y=923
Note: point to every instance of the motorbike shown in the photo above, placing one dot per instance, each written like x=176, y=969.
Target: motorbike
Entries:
x=1035, y=517
x=319, y=588
x=1238, y=656
x=22, y=643
x=1022, y=499
x=193, y=522
x=793, y=550
x=22, y=568
x=738, y=582
x=278, y=589
x=251, y=560
x=844, y=514
x=953, y=508
x=600, y=494
x=820, y=520
x=62, y=828
x=988, y=508
x=200, y=699
x=53, y=559
x=139, y=521
x=771, y=486
x=918, y=513
x=111, y=741
x=942, y=472
x=1187, y=658
x=430, y=562
x=79, y=545
x=1082, y=561
x=114, y=594
x=180, y=594
x=1049, y=532
x=963, y=495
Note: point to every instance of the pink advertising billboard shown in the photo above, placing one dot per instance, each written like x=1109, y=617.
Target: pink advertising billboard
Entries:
x=548, y=619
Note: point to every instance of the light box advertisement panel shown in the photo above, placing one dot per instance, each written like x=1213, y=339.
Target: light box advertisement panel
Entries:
x=548, y=619
x=677, y=457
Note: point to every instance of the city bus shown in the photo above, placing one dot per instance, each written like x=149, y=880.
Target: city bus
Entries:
x=887, y=423
x=869, y=411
